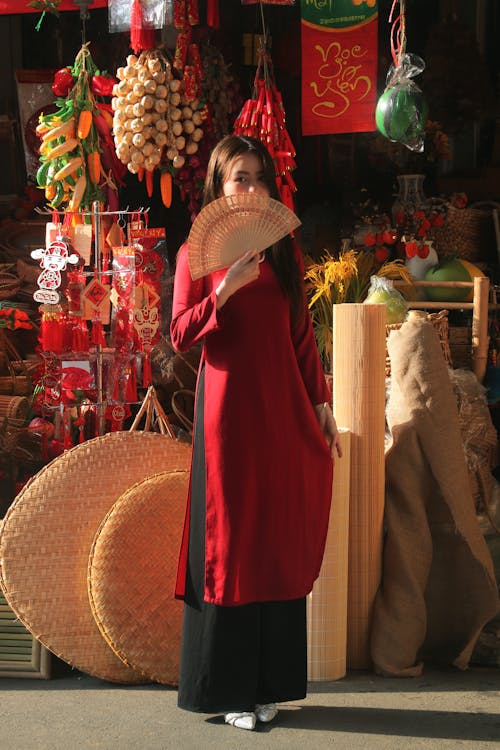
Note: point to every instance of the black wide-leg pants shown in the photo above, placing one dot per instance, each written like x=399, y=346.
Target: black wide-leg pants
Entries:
x=234, y=657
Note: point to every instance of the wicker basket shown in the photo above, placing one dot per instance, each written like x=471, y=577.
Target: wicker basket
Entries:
x=440, y=322
x=468, y=233
x=15, y=373
x=14, y=409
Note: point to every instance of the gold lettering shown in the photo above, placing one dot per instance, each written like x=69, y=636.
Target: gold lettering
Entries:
x=321, y=4
x=340, y=79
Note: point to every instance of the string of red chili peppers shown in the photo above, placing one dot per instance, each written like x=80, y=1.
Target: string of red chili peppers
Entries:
x=263, y=117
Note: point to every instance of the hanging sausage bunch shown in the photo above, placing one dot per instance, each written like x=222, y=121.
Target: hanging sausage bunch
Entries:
x=77, y=161
x=263, y=118
x=155, y=124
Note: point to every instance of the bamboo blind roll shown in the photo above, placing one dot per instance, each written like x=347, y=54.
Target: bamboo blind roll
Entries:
x=359, y=405
x=327, y=602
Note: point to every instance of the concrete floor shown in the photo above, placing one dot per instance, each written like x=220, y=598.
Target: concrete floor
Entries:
x=442, y=709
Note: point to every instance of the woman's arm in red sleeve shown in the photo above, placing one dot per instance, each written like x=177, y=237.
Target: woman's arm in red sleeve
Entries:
x=194, y=314
x=306, y=349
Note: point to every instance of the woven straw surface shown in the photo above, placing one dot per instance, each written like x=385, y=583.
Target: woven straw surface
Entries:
x=327, y=602
x=468, y=232
x=132, y=570
x=47, y=534
x=14, y=408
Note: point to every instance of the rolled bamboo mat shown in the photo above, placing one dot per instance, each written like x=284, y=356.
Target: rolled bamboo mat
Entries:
x=47, y=535
x=327, y=602
x=359, y=405
x=132, y=570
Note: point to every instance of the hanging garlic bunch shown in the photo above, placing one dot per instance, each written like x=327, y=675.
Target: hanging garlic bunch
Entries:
x=153, y=118
x=187, y=119
x=141, y=104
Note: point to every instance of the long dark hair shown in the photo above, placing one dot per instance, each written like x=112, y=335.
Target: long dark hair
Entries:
x=281, y=256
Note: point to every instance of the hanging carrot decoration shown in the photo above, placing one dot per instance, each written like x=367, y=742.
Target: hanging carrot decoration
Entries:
x=84, y=123
x=94, y=167
x=166, y=189
x=149, y=182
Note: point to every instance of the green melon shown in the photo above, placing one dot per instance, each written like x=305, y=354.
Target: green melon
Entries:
x=401, y=113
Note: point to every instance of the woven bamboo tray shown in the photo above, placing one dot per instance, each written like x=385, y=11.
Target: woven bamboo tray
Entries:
x=132, y=570
x=47, y=535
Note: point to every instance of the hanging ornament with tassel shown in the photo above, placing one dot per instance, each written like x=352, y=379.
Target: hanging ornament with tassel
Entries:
x=141, y=35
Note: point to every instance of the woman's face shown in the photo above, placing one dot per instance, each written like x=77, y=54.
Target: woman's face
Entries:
x=245, y=175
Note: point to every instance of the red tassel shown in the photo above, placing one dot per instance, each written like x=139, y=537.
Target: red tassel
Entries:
x=97, y=334
x=140, y=37
x=80, y=337
x=147, y=375
x=213, y=15
x=52, y=332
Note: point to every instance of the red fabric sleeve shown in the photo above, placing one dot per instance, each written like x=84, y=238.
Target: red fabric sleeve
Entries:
x=194, y=312
x=306, y=350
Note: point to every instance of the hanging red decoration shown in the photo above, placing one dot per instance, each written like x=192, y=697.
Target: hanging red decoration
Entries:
x=213, y=14
x=141, y=37
x=263, y=117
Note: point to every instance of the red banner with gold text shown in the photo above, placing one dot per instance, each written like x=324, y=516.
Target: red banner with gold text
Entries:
x=339, y=66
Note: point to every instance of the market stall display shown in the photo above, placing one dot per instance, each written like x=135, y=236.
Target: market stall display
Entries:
x=154, y=119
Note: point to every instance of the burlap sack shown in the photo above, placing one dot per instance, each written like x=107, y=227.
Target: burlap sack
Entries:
x=439, y=585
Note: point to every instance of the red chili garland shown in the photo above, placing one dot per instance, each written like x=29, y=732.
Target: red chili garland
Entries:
x=263, y=117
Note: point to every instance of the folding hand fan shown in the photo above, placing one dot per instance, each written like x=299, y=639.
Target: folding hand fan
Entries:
x=226, y=228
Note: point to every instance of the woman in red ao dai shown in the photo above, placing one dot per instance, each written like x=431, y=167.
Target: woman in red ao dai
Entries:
x=261, y=475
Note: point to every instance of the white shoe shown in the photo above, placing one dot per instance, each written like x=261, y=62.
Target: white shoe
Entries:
x=242, y=719
x=266, y=711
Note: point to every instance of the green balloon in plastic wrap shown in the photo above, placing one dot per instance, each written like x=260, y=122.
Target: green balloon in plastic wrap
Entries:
x=401, y=113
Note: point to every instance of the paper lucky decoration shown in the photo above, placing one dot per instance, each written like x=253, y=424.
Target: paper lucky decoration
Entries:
x=116, y=414
x=146, y=324
x=96, y=307
x=53, y=259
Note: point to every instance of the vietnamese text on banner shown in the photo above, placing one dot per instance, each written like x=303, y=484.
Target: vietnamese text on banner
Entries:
x=339, y=65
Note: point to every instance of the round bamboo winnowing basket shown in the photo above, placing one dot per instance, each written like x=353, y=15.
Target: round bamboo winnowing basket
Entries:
x=47, y=535
x=132, y=570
